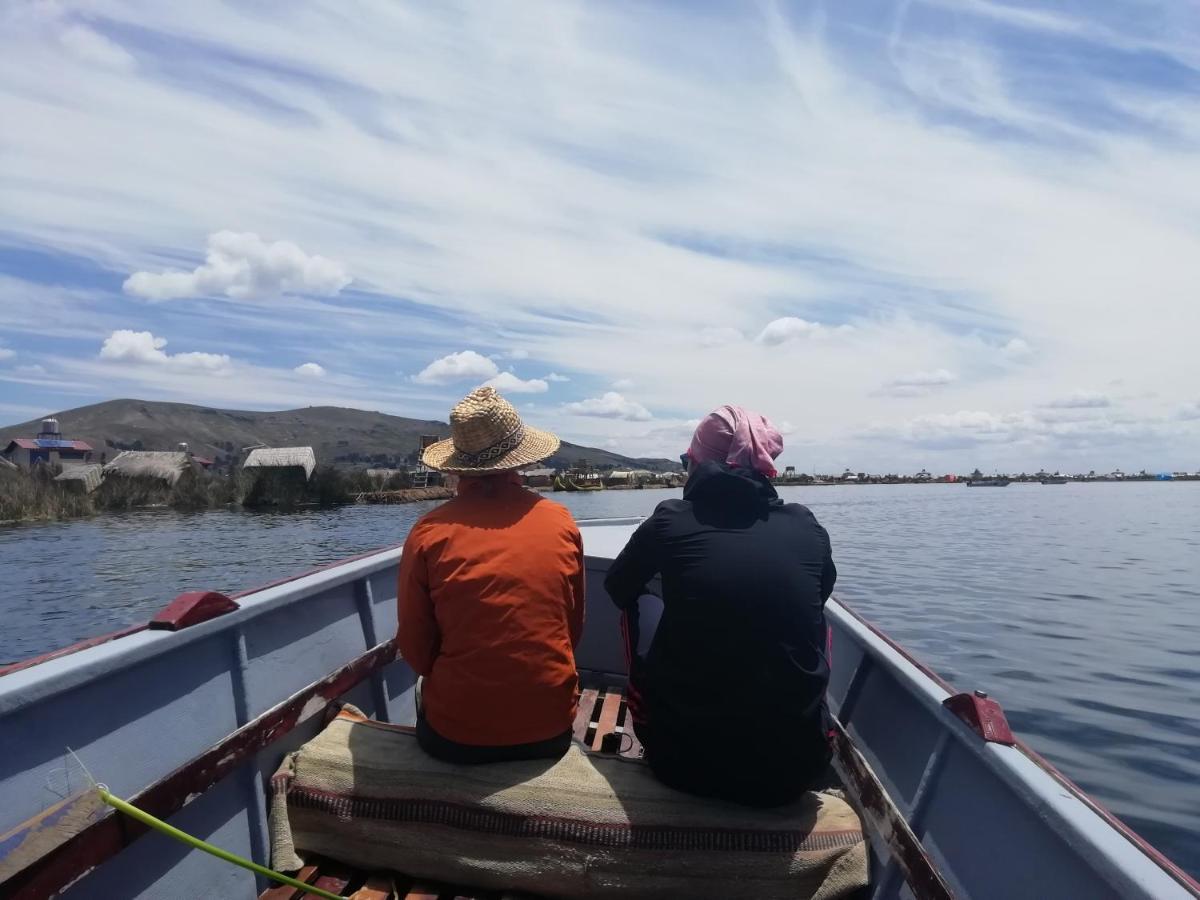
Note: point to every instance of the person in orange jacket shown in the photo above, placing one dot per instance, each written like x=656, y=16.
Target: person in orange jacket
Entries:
x=491, y=597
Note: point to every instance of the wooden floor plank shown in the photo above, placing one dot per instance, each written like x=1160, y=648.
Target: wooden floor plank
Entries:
x=583, y=715
x=286, y=892
x=378, y=887
x=333, y=877
x=608, y=716
x=422, y=890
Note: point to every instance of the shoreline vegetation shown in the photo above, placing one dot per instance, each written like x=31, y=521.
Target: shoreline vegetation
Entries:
x=35, y=496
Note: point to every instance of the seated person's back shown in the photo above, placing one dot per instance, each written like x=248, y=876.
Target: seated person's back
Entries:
x=491, y=597
x=741, y=643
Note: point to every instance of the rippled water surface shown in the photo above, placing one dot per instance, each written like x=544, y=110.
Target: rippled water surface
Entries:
x=1077, y=606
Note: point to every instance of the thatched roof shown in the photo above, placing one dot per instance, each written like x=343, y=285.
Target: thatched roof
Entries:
x=165, y=464
x=282, y=458
x=86, y=478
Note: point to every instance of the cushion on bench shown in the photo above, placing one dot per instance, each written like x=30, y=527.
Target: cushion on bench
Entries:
x=585, y=826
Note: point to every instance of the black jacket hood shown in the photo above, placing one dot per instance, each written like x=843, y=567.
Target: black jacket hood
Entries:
x=713, y=482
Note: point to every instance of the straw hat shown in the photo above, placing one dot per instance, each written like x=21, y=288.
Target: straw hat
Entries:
x=487, y=435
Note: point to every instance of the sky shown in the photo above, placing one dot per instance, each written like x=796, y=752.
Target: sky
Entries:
x=921, y=234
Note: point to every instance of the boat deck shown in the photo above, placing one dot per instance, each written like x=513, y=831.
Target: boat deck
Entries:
x=602, y=712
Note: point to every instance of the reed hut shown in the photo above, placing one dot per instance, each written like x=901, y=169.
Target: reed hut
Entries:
x=83, y=479
x=301, y=458
x=6, y=466
x=161, y=465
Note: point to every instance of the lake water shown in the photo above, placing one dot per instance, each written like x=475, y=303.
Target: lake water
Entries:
x=1076, y=606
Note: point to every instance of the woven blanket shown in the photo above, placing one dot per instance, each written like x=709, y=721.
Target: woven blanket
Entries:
x=585, y=826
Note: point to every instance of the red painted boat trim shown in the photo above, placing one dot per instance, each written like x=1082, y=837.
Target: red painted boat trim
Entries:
x=192, y=608
x=1045, y=765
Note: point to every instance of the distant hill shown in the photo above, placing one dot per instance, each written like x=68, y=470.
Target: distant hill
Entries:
x=341, y=436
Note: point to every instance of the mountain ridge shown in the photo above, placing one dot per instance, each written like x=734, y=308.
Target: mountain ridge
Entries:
x=339, y=435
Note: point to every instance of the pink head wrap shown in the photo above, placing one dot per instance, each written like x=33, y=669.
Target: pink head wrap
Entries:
x=737, y=437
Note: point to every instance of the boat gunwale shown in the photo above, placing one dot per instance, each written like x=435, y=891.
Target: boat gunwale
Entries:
x=1004, y=762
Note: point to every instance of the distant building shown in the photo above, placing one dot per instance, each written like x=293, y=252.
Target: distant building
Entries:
x=160, y=465
x=538, y=477
x=48, y=447
x=82, y=478
x=299, y=458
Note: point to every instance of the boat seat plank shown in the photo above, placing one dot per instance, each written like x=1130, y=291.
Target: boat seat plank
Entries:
x=333, y=877
x=286, y=892
x=607, y=722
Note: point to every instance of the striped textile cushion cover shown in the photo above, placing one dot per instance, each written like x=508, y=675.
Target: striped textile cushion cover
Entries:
x=585, y=826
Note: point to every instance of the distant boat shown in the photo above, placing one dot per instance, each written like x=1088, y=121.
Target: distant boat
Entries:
x=988, y=482
x=1054, y=479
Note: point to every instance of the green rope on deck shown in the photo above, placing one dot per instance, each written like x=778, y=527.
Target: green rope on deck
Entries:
x=171, y=831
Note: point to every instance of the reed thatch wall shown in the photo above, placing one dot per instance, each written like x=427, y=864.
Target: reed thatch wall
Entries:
x=166, y=465
x=81, y=478
x=282, y=458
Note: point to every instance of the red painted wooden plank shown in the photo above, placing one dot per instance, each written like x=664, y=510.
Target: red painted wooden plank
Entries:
x=333, y=877
x=920, y=873
x=110, y=835
x=583, y=715
x=608, y=717
x=191, y=608
x=378, y=887
x=422, y=890
x=286, y=892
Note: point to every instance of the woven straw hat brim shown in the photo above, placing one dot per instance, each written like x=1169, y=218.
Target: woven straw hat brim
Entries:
x=535, y=446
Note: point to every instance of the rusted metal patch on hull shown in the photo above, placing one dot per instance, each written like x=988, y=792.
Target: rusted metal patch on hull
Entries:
x=922, y=876
x=105, y=838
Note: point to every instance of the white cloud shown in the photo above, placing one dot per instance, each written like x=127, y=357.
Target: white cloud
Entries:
x=926, y=379
x=242, y=266
x=93, y=47
x=554, y=376
x=1080, y=400
x=624, y=384
x=5, y=353
x=143, y=348
x=919, y=384
x=517, y=354
x=718, y=337
x=1017, y=349
x=466, y=365
x=507, y=382
x=611, y=405
x=1188, y=412
x=310, y=370
x=790, y=328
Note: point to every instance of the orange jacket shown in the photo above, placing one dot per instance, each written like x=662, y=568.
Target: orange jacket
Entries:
x=491, y=608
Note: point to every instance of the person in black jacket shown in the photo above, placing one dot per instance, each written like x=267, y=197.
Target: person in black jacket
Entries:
x=729, y=702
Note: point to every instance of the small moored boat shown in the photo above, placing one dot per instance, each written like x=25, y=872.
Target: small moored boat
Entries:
x=189, y=715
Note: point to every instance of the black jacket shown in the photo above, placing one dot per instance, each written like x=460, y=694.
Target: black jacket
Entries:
x=741, y=646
